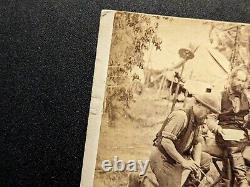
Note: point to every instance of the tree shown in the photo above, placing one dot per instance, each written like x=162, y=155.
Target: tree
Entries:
x=133, y=34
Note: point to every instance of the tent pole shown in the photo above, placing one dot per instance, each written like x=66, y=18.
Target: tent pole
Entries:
x=177, y=88
x=160, y=87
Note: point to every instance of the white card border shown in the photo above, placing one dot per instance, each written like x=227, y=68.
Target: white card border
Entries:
x=97, y=97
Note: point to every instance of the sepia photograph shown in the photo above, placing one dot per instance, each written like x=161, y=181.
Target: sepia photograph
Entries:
x=170, y=103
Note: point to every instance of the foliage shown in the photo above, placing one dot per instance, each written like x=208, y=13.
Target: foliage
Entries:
x=133, y=35
x=233, y=41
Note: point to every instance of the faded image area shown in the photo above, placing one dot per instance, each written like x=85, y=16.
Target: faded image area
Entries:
x=176, y=104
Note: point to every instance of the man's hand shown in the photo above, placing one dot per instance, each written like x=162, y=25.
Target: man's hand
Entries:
x=190, y=164
x=198, y=174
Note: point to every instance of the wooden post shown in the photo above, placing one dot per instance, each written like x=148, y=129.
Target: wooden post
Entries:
x=177, y=87
x=160, y=87
x=170, y=89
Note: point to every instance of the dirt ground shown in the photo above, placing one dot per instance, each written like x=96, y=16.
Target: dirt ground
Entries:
x=131, y=138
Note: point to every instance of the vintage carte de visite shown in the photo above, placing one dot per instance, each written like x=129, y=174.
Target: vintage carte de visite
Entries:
x=170, y=103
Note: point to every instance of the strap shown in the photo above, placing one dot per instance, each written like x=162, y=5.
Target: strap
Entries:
x=159, y=133
x=158, y=138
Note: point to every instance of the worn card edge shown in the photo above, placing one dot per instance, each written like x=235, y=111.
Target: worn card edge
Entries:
x=97, y=97
x=99, y=84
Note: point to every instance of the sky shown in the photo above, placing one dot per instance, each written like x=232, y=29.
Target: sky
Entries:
x=180, y=33
x=177, y=34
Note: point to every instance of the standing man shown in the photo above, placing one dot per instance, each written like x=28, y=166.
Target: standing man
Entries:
x=178, y=144
x=234, y=116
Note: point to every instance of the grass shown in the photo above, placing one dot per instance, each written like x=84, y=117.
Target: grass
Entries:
x=131, y=139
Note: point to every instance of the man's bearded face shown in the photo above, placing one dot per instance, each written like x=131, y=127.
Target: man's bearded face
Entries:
x=238, y=82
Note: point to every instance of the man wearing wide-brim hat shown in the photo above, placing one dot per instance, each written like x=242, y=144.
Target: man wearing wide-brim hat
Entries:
x=178, y=145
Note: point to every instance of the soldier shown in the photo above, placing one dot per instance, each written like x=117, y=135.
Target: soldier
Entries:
x=234, y=116
x=178, y=144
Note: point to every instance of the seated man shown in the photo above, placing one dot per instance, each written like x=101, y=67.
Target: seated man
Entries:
x=233, y=118
x=178, y=144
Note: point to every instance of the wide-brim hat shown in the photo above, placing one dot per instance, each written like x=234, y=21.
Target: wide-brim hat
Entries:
x=188, y=52
x=210, y=101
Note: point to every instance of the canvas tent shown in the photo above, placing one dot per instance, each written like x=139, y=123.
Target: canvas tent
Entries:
x=208, y=69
